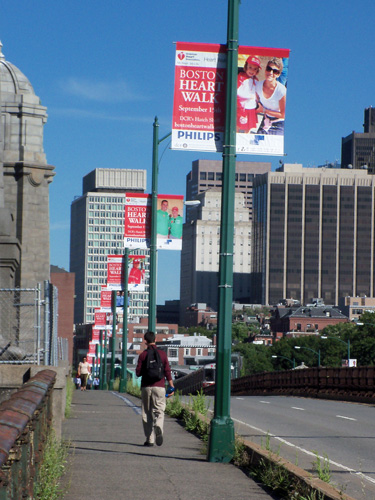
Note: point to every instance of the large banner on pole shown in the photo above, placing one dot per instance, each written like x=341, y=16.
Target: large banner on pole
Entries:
x=138, y=221
x=199, y=98
x=115, y=272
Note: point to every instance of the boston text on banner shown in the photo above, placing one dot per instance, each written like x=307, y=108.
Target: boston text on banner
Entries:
x=138, y=221
x=199, y=98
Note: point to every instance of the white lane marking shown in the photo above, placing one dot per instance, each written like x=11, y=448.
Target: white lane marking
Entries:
x=265, y=402
x=346, y=418
x=348, y=469
x=296, y=408
x=241, y=399
x=127, y=401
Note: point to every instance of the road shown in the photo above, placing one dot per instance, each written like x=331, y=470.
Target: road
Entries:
x=299, y=428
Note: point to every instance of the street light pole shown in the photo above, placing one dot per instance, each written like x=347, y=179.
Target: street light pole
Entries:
x=101, y=366
x=221, y=440
x=113, y=343
x=105, y=385
x=154, y=201
x=312, y=350
x=293, y=361
x=124, y=353
x=340, y=340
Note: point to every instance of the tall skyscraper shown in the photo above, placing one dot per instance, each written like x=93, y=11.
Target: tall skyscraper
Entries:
x=206, y=174
x=200, y=253
x=201, y=239
x=97, y=229
x=358, y=149
x=313, y=234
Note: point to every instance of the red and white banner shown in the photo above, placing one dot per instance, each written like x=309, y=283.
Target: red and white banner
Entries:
x=138, y=221
x=100, y=319
x=95, y=335
x=115, y=272
x=199, y=98
x=105, y=299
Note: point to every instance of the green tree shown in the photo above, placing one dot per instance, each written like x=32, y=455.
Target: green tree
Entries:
x=201, y=330
x=256, y=358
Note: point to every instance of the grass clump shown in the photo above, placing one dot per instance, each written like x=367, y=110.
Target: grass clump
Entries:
x=53, y=466
x=133, y=389
x=70, y=387
x=322, y=467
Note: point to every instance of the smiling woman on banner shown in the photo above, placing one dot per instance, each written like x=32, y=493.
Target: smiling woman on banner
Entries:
x=271, y=96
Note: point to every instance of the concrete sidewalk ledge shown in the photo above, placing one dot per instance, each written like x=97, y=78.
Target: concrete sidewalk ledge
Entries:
x=257, y=454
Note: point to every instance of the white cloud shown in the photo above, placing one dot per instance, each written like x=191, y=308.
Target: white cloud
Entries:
x=113, y=91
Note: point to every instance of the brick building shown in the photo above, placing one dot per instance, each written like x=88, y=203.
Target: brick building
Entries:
x=299, y=321
x=64, y=281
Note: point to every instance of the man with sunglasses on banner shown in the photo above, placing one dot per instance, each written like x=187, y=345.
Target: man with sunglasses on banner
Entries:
x=271, y=96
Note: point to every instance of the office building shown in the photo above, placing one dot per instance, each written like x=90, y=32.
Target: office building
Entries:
x=200, y=253
x=354, y=307
x=358, y=149
x=97, y=229
x=313, y=234
x=207, y=174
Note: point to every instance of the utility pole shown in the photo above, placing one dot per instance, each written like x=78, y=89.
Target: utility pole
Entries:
x=221, y=441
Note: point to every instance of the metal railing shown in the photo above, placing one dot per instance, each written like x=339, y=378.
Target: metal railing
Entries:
x=25, y=422
x=341, y=384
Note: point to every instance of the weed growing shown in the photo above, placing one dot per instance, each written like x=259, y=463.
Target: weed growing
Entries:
x=133, y=389
x=322, y=467
x=70, y=387
x=52, y=468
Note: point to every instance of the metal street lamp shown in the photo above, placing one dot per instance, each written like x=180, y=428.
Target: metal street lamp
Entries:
x=113, y=343
x=153, y=250
x=340, y=340
x=308, y=349
x=221, y=440
x=124, y=352
x=293, y=361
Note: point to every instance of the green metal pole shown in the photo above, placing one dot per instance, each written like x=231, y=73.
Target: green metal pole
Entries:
x=101, y=360
x=96, y=364
x=113, y=356
x=348, y=351
x=124, y=357
x=153, y=253
x=154, y=203
x=221, y=440
x=105, y=385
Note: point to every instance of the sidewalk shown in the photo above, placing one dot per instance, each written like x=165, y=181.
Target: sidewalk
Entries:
x=109, y=461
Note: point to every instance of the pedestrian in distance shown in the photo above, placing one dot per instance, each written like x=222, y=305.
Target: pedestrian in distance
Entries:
x=83, y=372
x=153, y=367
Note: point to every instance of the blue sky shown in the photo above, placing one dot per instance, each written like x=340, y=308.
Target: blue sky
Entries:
x=104, y=70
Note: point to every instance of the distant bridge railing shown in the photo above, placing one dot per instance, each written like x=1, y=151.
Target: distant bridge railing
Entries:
x=341, y=384
x=191, y=383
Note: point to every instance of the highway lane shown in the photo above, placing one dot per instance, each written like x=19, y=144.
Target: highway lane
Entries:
x=298, y=428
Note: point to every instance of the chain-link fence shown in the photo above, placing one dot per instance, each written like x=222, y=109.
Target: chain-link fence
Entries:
x=28, y=326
